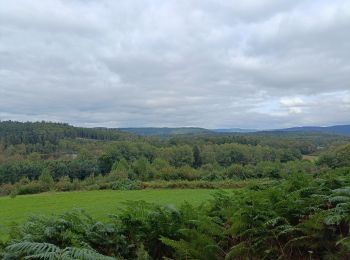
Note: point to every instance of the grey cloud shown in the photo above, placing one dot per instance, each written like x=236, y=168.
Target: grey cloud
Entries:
x=258, y=64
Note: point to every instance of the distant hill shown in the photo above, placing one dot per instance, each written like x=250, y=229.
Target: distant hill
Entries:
x=337, y=129
x=165, y=131
x=168, y=131
x=12, y=132
x=234, y=130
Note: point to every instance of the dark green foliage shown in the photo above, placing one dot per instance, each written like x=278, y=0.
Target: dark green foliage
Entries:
x=47, y=251
x=78, y=174
x=43, y=133
x=13, y=171
x=338, y=157
x=46, y=180
x=77, y=153
x=197, y=158
x=177, y=156
x=289, y=221
x=126, y=185
x=166, y=131
x=142, y=169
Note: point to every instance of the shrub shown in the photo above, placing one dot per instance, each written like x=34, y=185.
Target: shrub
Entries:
x=64, y=184
x=6, y=189
x=92, y=187
x=31, y=188
x=338, y=157
x=126, y=185
x=235, y=171
x=46, y=180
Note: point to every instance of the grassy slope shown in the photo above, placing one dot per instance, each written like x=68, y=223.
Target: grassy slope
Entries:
x=98, y=203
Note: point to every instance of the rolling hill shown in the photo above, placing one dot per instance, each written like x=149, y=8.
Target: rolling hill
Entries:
x=336, y=129
x=165, y=131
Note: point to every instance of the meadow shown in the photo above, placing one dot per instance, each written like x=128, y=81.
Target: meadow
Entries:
x=98, y=204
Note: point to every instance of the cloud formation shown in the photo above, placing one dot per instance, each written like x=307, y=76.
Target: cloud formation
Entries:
x=251, y=64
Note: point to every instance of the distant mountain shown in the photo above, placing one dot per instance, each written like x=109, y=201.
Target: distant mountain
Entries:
x=168, y=131
x=234, y=130
x=165, y=131
x=12, y=132
x=336, y=129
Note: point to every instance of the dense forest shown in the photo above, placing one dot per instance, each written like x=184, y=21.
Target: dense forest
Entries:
x=295, y=203
x=83, y=158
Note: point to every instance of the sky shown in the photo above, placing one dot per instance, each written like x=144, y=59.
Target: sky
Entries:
x=258, y=64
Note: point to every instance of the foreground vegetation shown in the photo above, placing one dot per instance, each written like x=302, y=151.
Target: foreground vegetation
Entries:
x=97, y=203
x=301, y=217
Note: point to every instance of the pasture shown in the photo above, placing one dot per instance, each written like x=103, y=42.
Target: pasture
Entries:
x=97, y=203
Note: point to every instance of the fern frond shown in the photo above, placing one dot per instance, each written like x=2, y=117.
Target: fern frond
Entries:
x=48, y=256
x=342, y=191
x=33, y=248
x=344, y=242
x=237, y=251
x=83, y=253
x=338, y=199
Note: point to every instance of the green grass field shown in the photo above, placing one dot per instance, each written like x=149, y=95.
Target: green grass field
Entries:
x=98, y=203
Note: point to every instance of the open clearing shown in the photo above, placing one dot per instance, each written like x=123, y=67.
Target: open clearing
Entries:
x=97, y=203
x=311, y=158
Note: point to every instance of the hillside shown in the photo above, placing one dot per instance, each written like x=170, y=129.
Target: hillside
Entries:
x=336, y=129
x=165, y=131
x=12, y=133
x=234, y=130
x=168, y=131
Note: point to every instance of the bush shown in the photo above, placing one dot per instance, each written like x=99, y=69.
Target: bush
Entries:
x=126, y=185
x=46, y=180
x=64, y=184
x=92, y=187
x=338, y=157
x=6, y=189
x=198, y=184
x=31, y=188
x=235, y=171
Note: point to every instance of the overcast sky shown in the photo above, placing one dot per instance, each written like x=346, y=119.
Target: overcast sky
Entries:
x=215, y=64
